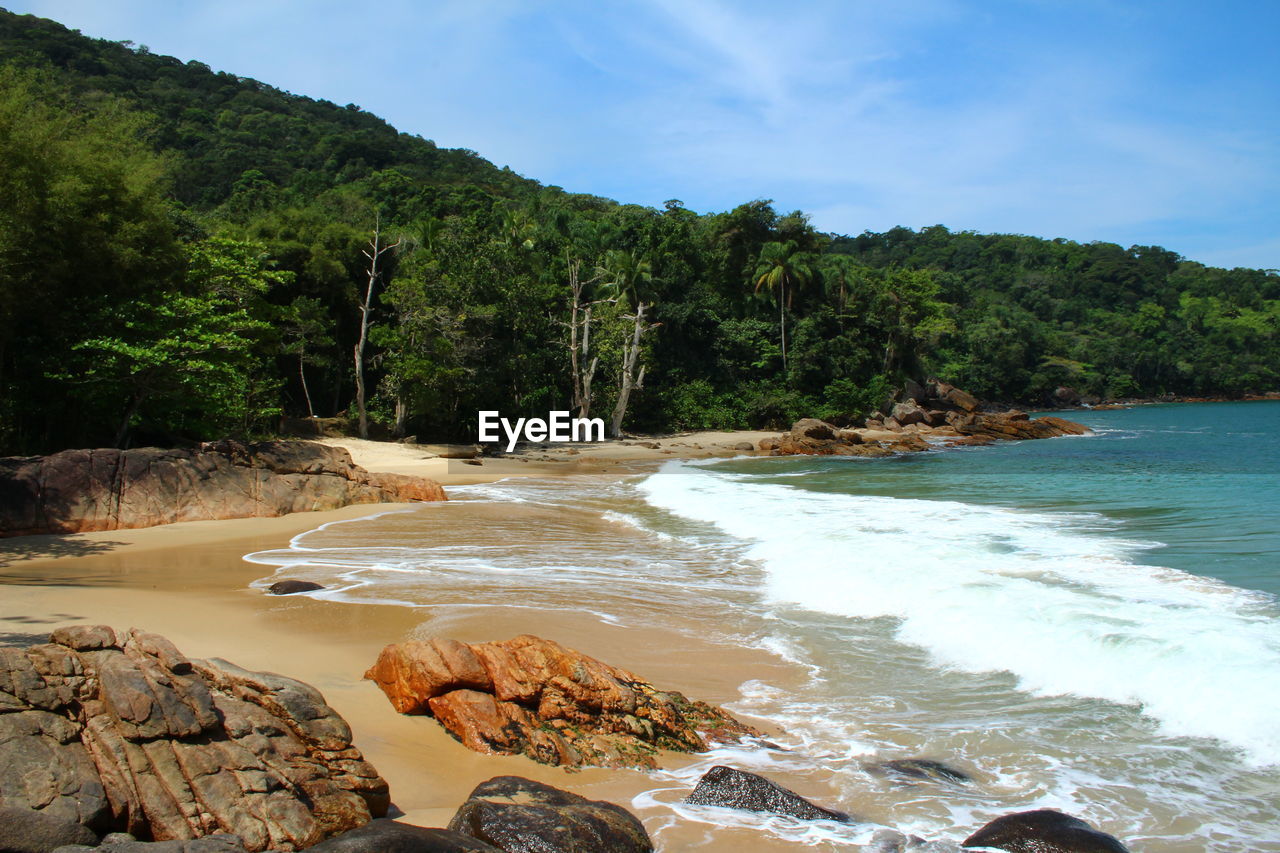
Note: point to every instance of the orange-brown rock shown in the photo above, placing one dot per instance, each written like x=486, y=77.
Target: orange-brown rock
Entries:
x=555, y=705
x=1017, y=426
x=121, y=732
x=85, y=490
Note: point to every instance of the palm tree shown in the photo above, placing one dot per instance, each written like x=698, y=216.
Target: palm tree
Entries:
x=782, y=269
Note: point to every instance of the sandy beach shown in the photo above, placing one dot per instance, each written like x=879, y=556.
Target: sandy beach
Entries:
x=188, y=581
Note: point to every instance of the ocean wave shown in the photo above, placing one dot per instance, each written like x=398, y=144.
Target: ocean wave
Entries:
x=1043, y=596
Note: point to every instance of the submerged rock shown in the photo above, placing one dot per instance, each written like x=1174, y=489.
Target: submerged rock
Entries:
x=85, y=490
x=922, y=768
x=738, y=789
x=520, y=815
x=555, y=705
x=120, y=731
x=1043, y=831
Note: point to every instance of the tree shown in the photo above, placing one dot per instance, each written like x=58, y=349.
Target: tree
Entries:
x=627, y=274
x=374, y=253
x=781, y=269
x=304, y=328
x=195, y=358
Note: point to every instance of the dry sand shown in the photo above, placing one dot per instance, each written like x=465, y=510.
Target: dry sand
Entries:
x=188, y=582
x=621, y=457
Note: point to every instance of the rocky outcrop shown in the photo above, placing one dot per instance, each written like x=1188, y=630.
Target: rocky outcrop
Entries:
x=84, y=490
x=519, y=815
x=737, y=789
x=120, y=731
x=1016, y=426
x=530, y=696
x=935, y=410
x=1043, y=831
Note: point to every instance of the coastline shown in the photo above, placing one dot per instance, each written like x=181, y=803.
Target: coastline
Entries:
x=188, y=582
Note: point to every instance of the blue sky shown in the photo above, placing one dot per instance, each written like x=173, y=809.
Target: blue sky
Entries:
x=1136, y=122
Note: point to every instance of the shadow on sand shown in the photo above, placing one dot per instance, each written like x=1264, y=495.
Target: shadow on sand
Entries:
x=20, y=549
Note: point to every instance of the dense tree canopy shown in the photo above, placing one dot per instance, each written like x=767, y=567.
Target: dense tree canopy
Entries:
x=180, y=258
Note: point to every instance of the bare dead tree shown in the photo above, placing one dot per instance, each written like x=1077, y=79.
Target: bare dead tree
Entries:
x=630, y=380
x=375, y=252
x=582, y=364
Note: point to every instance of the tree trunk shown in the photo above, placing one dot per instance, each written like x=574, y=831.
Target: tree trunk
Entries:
x=630, y=357
x=123, y=432
x=575, y=290
x=402, y=416
x=378, y=251
x=302, y=376
x=782, y=324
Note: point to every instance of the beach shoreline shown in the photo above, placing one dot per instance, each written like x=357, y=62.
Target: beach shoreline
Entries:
x=189, y=582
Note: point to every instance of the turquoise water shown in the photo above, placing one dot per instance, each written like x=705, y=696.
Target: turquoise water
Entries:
x=1090, y=624
x=1200, y=482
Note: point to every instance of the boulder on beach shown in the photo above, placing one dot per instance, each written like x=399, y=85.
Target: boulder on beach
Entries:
x=119, y=731
x=1043, y=831
x=78, y=491
x=737, y=789
x=534, y=697
x=519, y=815
x=291, y=586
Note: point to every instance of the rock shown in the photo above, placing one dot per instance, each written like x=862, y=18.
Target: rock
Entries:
x=942, y=395
x=914, y=391
x=120, y=731
x=935, y=417
x=1064, y=396
x=738, y=789
x=908, y=413
x=86, y=490
x=744, y=447
x=390, y=836
x=218, y=843
x=289, y=587
x=520, y=815
x=460, y=452
x=886, y=841
x=813, y=429
x=922, y=768
x=1016, y=425
x=537, y=698
x=1043, y=831
x=23, y=830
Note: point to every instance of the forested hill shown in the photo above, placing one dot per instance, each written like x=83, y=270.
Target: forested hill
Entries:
x=182, y=256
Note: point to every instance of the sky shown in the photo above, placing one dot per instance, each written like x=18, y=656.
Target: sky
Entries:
x=1140, y=122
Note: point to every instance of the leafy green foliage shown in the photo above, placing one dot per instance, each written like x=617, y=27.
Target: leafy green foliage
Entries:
x=180, y=258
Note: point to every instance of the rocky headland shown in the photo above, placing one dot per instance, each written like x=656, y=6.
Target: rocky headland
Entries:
x=922, y=416
x=79, y=491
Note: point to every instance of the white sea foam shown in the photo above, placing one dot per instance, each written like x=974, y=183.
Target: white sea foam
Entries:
x=1044, y=596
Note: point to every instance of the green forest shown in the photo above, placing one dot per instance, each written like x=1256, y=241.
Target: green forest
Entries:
x=186, y=254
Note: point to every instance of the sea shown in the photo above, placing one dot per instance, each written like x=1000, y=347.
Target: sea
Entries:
x=1090, y=624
